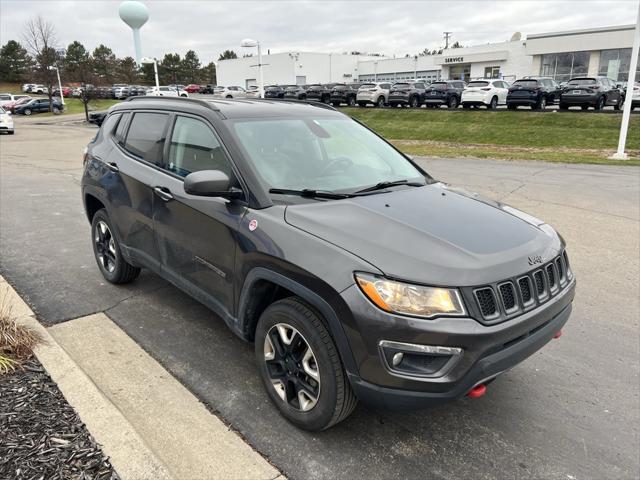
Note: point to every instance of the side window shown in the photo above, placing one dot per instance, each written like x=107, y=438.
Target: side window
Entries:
x=109, y=124
x=385, y=86
x=194, y=147
x=119, y=133
x=146, y=136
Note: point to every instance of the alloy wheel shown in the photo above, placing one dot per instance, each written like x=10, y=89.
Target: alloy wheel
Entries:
x=105, y=247
x=292, y=367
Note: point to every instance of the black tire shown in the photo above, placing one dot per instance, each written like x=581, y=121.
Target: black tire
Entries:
x=584, y=107
x=335, y=399
x=122, y=271
x=452, y=103
x=380, y=102
x=335, y=104
x=183, y=95
x=11, y=132
x=620, y=105
x=493, y=104
x=351, y=102
x=229, y=96
x=56, y=111
x=564, y=106
x=27, y=111
x=510, y=106
x=362, y=104
x=466, y=106
x=414, y=102
x=600, y=104
x=542, y=104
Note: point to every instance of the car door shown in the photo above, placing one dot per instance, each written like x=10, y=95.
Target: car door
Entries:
x=140, y=138
x=196, y=235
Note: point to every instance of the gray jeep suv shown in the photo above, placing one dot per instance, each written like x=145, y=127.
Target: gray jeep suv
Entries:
x=355, y=273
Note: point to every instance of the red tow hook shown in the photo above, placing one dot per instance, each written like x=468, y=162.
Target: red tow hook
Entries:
x=477, y=391
x=558, y=334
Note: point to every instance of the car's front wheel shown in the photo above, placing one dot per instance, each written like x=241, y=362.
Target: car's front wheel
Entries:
x=106, y=250
x=300, y=366
x=600, y=104
x=27, y=111
x=453, y=103
x=493, y=104
x=380, y=102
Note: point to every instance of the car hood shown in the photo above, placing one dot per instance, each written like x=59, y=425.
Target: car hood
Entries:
x=432, y=234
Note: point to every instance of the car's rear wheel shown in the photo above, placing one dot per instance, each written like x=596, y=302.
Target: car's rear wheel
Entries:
x=106, y=249
x=229, y=96
x=618, y=106
x=380, y=102
x=493, y=103
x=452, y=103
x=414, y=102
x=27, y=111
x=542, y=104
x=351, y=102
x=600, y=104
x=584, y=107
x=300, y=366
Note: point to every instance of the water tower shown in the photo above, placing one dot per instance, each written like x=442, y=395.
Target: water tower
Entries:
x=134, y=14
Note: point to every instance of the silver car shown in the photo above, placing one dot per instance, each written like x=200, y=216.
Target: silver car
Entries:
x=373, y=93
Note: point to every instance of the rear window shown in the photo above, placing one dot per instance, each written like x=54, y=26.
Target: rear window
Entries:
x=526, y=83
x=582, y=81
x=439, y=85
x=400, y=85
x=146, y=136
x=272, y=88
x=478, y=84
x=368, y=85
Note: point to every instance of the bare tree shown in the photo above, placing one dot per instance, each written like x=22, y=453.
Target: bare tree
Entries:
x=40, y=37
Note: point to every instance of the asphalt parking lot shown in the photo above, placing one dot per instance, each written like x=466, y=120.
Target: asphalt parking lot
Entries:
x=569, y=412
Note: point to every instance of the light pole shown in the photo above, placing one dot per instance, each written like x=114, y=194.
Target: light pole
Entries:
x=148, y=60
x=59, y=83
x=248, y=43
x=628, y=98
x=415, y=67
x=134, y=14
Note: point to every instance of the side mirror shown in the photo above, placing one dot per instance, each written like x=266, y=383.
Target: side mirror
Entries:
x=210, y=183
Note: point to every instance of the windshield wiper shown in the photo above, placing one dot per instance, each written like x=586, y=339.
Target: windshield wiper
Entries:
x=310, y=193
x=383, y=185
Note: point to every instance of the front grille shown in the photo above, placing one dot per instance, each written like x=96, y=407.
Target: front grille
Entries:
x=539, y=283
x=487, y=302
x=511, y=297
x=508, y=297
x=551, y=276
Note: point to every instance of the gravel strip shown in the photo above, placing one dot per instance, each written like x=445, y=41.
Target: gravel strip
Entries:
x=41, y=435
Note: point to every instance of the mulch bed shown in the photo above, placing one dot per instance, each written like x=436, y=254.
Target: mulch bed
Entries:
x=41, y=435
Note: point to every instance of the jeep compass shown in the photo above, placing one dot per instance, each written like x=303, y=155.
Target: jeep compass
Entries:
x=356, y=275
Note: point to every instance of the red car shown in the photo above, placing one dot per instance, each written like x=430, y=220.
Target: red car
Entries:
x=10, y=107
x=193, y=88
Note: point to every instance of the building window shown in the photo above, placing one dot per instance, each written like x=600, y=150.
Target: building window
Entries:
x=492, y=72
x=615, y=64
x=564, y=66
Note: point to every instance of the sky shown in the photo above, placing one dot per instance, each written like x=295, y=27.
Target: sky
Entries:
x=390, y=27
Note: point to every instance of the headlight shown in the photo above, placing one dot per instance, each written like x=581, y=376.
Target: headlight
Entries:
x=408, y=299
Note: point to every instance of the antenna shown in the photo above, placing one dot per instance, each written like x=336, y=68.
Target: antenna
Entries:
x=447, y=35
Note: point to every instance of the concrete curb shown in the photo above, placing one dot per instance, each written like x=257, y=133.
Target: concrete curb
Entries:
x=127, y=451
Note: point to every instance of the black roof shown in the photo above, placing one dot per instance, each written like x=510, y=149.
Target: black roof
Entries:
x=233, y=108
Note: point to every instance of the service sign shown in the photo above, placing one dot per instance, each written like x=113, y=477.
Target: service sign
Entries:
x=454, y=60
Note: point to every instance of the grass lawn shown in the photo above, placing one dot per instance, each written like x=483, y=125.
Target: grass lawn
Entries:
x=74, y=105
x=573, y=137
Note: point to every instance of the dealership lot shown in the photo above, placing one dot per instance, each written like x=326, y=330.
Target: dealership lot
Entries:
x=570, y=411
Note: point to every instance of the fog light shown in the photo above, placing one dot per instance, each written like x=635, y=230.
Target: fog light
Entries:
x=397, y=358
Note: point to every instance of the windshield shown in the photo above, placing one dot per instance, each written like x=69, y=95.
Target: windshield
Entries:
x=335, y=154
x=582, y=81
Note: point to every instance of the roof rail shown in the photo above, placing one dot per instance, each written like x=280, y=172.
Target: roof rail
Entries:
x=203, y=103
x=313, y=103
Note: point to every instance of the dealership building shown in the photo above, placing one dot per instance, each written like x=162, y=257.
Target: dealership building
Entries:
x=560, y=55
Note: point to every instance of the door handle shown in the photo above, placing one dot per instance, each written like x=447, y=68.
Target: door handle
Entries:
x=113, y=167
x=163, y=193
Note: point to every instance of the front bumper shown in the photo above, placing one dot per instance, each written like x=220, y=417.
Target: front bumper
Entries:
x=486, y=350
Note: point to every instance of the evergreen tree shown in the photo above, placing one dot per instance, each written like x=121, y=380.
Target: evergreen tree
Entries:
x=128, y=70
x=227, y=55
x=169, y=68
x=15, y=63
x=104, y=63
x=190, y=67
x=76, y=63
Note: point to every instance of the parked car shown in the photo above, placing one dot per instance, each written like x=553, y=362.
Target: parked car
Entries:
x=66, y=91
x=319, y=93
x=7, y=98
x=407, y=94
x=447, y=93
x=11, y=106
x=596, y=92
x=192, y=88
x=534, y=92
x=39, y=105
x=103, y=92
x=120, y=91
x=166, y=91
x=26, y=88
x=231, y=218
x=252, y=91
x=39, y=89
x=6, y=121
x=635, y=96
x=344, y=93
x=97, y=117
x=274, y=91
x=295, y=92
x=376, y=94
x=489, y=93
x=208, y=89
x=233, y=91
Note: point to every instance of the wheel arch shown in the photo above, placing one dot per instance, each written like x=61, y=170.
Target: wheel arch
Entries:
x=262, y=287
x=91, y=205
